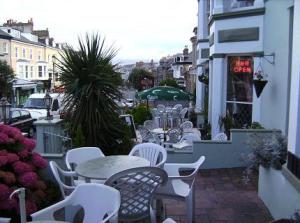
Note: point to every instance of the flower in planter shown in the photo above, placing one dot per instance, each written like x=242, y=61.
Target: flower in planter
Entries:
x=20, y=167
x=259, y=75
x=267, y=151
x=203, y=78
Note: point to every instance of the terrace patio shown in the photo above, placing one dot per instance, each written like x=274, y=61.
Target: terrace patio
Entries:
x=222, y=196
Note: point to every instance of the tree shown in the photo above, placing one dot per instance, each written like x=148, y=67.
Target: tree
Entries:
x=136, y=75
x=169, y=82
x=6, y=78
x=91, y=83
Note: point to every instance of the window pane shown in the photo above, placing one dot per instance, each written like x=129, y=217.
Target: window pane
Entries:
x=240, y=79
x=241, y=114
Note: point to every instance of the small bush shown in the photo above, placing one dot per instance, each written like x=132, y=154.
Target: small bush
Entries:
x=141, y=114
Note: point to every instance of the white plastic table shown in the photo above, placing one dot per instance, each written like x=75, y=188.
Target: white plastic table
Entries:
x=104, y=167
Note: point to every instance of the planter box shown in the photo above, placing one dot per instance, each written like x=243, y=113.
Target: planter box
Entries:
x=279, y=195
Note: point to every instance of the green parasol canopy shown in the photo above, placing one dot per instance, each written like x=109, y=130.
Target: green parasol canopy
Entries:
x=164, y=93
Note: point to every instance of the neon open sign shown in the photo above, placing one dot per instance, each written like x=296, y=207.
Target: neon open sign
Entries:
x=242, y=66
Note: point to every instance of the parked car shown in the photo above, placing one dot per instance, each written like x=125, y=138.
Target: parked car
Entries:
x=35, y=104
x=22, y=120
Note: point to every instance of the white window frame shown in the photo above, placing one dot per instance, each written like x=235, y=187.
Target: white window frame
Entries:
x=5, y=48
x=16, y=52
x=24, y=53
x=31, y=71
x=30, y=54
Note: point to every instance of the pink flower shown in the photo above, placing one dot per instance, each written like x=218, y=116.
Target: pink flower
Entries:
x=40, y=185
x=3, y=152
x=4, y=139
x=24, y=153
x=11, y=158
x=21, y=167
x=9, y=178
x=29, y=144
x=39, y=161
x=28, y=179
x=40, y=193
x=4, y=192
x=30, y=207
x=9, y=204
x=3, y=160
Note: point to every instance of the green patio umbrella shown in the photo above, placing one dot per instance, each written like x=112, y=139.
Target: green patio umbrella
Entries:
x=164, y=93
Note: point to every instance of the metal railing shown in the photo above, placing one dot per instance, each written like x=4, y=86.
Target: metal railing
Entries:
x=54, y=143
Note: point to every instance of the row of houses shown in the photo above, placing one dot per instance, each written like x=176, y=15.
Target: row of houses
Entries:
x=32, y=54
x=242, y=42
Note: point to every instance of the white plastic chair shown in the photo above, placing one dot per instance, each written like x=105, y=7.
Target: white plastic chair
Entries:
x=99, y=202
x=79, y=155
x=156, y=154
x=58, y=173
x=137, y=187
x=150, y=124
x=169, y=220
x=220, y=137
x=176, y=188
x=4, y=220
x=183, y=113
x=82, y=154
x=187, y=125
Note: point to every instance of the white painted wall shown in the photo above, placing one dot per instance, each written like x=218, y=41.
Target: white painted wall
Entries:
x=274, y=98
x=237, y=23
x=294, y=122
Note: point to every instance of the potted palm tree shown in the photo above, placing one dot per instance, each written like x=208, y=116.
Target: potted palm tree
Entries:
x=91, y=81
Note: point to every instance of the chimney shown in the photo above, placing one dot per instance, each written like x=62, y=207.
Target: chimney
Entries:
x=185, y=50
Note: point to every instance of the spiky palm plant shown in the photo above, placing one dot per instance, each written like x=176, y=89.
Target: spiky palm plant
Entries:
x=91, y=84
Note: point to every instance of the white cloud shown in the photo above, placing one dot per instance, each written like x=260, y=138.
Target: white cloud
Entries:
x=141, y=29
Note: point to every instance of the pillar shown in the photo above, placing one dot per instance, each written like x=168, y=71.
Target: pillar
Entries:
x=217, y=97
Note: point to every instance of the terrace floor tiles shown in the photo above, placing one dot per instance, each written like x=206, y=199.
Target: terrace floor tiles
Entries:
x=222, y=196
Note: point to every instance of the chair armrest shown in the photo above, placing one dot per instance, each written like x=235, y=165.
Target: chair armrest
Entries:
x=48, y=212
x=69, y=173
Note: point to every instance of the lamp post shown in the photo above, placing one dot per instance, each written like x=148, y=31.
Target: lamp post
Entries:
x=53, y=73
x=4, y=109
x=48, y=102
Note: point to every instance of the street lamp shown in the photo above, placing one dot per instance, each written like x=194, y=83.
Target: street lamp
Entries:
x=48, y=103
x=4, y=109
x=53, y=73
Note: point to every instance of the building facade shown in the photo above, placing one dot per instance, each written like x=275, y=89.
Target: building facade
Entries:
x=236, y=41
x=32, y=55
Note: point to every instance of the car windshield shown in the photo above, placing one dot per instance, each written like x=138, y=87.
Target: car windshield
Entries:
x=38, y=103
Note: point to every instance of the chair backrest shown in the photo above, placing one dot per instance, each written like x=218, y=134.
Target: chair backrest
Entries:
x=190, y=137
x=220, y=137
x=186, y=125
x=150, y=124
x=137, y=187
x=99, y=202
x=183, y=112
x=156, y=154
x=58, y=174
x=160, y=108
x=82, y=154
x=174, y=134
x=178, y=106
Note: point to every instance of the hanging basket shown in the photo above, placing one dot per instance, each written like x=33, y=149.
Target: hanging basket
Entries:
x=203, y=78
x=259, y=86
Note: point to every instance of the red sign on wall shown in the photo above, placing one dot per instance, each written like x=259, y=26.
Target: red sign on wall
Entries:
x=242, y=66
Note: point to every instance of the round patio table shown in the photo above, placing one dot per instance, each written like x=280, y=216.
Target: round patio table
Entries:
x=104, y=167
x=48, y=221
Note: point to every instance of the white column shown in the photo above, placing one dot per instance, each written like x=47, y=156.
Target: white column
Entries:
x=217, y=95
x=202, y=19
x=210, y=78
x=256, y=110
x=294, y=116
x=199, y=90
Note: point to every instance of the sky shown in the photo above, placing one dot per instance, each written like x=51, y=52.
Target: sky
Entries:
x=139, y=29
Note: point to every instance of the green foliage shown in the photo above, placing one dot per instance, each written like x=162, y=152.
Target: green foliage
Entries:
x=91, y=82
x=136, y=75
x=256, y=125
x=169, y=82
x=141, y=114
x=78, y=139
x=226, y=122
x=6, y=77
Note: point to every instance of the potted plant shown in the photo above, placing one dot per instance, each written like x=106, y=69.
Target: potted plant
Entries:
x=268, y=151
x=204, y=79
x=259, y=81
